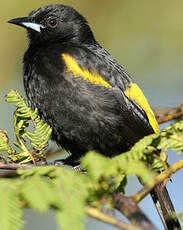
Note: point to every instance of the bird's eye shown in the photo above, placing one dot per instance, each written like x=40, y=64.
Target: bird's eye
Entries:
x=52, y=22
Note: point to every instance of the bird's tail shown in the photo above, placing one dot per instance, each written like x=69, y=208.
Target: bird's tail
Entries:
x=165, y=208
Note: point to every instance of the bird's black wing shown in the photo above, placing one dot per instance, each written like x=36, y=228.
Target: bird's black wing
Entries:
x=98, y=67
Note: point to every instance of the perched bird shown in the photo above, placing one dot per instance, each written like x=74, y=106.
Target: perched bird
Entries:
x=80, y=90
x=87, y=98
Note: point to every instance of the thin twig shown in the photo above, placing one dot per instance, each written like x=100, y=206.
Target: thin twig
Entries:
x=97, y=214
x=137, y=197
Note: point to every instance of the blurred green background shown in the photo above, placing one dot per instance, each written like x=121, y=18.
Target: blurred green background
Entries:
x=146, y=37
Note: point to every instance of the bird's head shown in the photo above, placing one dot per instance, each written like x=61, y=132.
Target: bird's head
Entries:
x=55, y=23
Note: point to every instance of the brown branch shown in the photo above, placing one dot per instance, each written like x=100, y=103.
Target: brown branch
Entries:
x=97, y=214
x=14, y=166
x=8, y=170
x=164, y=115
x=130, y=209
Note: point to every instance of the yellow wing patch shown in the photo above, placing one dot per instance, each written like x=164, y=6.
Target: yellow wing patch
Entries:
x=133, y=92
x=77, y=71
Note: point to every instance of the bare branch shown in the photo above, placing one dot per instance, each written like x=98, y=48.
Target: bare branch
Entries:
x=13, y=166
x=163, y=114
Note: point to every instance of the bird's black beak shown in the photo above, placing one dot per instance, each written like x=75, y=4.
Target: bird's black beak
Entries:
x=27, y=22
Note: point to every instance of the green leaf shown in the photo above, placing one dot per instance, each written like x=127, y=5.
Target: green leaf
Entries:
x=96, y=165
x=114, y=171
x=38, y=138
x=39, y=193
x=10, y=206
x=69, y=220
x=38, y=171
x=4, y=146
x=172, y=138
x=146, y=151
x=73, y=194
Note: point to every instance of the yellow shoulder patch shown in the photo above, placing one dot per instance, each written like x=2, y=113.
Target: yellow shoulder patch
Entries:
x=77, y=71
x=133, y=92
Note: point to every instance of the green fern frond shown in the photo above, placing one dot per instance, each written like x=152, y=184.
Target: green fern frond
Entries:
x=10, y=206
x=4, y=142
x=38, y=138
x=39, y=193
x=73, y=188
x=38, y=171
x=110, y=173
x=146, y=151
x=66, y=194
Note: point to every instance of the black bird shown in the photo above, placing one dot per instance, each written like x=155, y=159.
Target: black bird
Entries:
x=79, y=89
x=87, y=98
